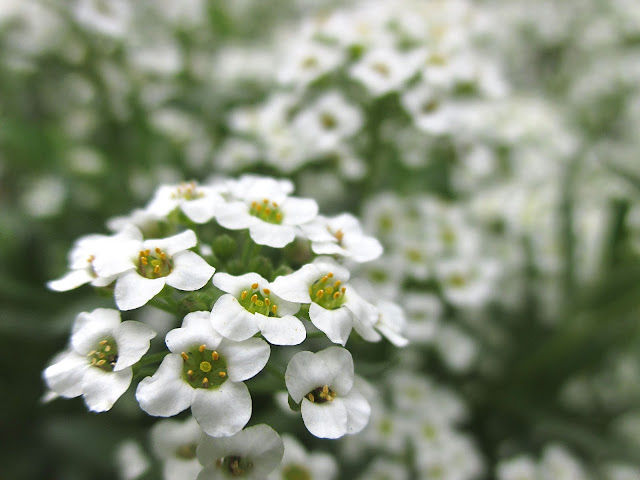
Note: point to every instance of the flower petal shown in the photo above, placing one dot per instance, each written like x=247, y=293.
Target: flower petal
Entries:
x=305, y=372
x=326, y=420
x=224, y=410
x=271, y=235
x=245, y=359
x=232, y=320
x=165, y=394
x=358, y=411
x=336, y=324
x=174, y=244
x=286, y=330
x=90, y=328
x=71, y=280
x=64, y=376
x=299, y=210
x=235, y=216
x=133, y=290
x=339, y=365
x=190, y=271
x=295, y=286
x=101, y=389
x=196, y=330
x=202, y=209
x=132, y=339
x=235, y=285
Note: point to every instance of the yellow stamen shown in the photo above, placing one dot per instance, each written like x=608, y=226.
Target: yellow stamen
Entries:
x=267, y=302
x=244, y=295
x=274, y=309
x=144, y=260
x=205, y=382
x=222, y=374
x=103, y=342
x=156, y=269
x=158, y=251
x=343, y=289
x=254, y=286
x=190, y=373
x=202, y=348
x=337, y=284
x=329, y=274
x=310, y=397
x=278, y=217
x=184, y=356
x=101, y=355
x=101, y=362
x=275, y=204
x=320, y=293
x=266, y=291
x=337, y=295
x=215, y=356
x=254, y=298
x=324, y=279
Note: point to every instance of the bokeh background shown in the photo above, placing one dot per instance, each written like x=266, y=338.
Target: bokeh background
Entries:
x=492, y=146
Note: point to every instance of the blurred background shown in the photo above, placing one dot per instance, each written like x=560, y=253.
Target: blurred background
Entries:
x=492, y=146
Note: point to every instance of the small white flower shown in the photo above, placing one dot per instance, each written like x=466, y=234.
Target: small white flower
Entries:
x=174, y=443
x=131, y=461
x=342, y=235
x=384, y=70
x=324, y=383
x=145, y=269
x=467, y=282
x=266, y=209
x=205, y=372
x=249, y=307
x=107, y=17
x=308, y=61
x=335, y=308
x=97, y=364
x=297, y=463
x=84, y=253
x=432, y=112
x=198, y=202
x=518, y=468
x=252, y=454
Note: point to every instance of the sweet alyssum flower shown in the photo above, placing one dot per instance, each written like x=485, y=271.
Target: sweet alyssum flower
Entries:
x=97, y=364
x=198, y=202
x=250, y=454
x=144, y=269
x=249, y=306
x=297, y=463
x=174, y=442
x=204, y=372
x=323, y=383
x=335, y=308
x=263, y=205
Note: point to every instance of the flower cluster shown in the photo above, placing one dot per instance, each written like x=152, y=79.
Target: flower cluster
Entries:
x=235, y=318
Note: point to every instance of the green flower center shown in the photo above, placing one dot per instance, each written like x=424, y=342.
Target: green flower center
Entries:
x=255, y=300
x=186, y=451
x=457, y=280
x=328, y=293
x=295, y=472
x=328, y=121
x=267, y=211
x=105, y=355
x=321, y=395
x=235, y=465
x=154, y=264
x=188, y=191
x=204, y=368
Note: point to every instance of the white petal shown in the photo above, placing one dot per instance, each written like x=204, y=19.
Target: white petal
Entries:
x=165, y=394
x=295, y=286
x=305, y=372
x=232, y=320
x=339, y=365
x=65, y=375
x=133, y=290
x=328, y=248
x=358, y=411
x=245, y=359
x=71, y=280
x=336, y=324
x=190, y=271
x=297, y=211
x=284, y=307
x=235, y=285
x=196, y=330
x=101, y=389
x=271, y=235
x=132, y=339
x=224, y=410
x=235, y=216
x=286, y=330
x=97, y=320
x=201, y=210
x=174, y=244
x=326, y=420
x=364, y=249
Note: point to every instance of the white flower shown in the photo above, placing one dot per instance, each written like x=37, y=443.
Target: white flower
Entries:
x=97, y=364
x=466, y=281
x=252, y=454
x=131, y=461
x=144, y=269
x=327, y=122
x=335, y=308
x=324, y=383
x=431, y=111
x=198, y=202
x=204, y=372
x=298, y=463
x=84, y=253
x=307, y=61
x=518, y=468
x=107, y=17
x=342, y=235
x=383, y=469
x=174, y=443
x=391, y=322
x=249, y=307
x=267, y=210
x=384, y=70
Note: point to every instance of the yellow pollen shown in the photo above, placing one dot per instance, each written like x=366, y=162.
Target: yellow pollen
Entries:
x=265, y=201
x=267, y=302
x=144, y=260
x=101, y=362
x=258, y=208
x=158, y=250
x=329, y=274
x=324, y=279
x=141, y=253
x=205, y=366
x=202, y=348
x=184, y=356
x=320, y=293
x=101, y=355
x=215, y=356
x=91, y=258
x=254, y=286
x=339, y=235
x=190, y=373
x=343, y=289
x=274, y=309
x=93, y=361
x=156, y=269
x=91, y=353
x=222, y=374
x=147, y=252
x=337, y=284
x=205, y=382
x=103, y=342
x=337, y=295
x=278, y=217
x=254, y=299
x=266, y=291
x=254, y=204
x=244, y=295
x=275, y=204
x=163, y=256
x=325, y=389
x=107, y=348
x=310, y=397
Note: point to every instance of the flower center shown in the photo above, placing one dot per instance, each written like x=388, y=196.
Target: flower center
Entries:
x=186, y=451
x=295, y=472
x=457, y=280
x=328, y=121
x=338, y=235
x=321, y=395
x=255, y=300
x=309, y=62
x=154, y=264
x=381, y=68
x=188, y=191
x=105, y=355
x=267, y=211
x=237, y=466
x=204, y=368
x=328, y=293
